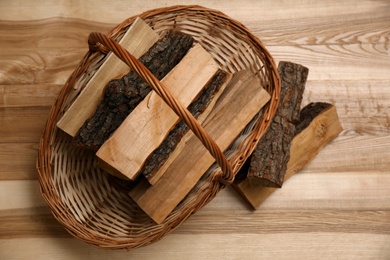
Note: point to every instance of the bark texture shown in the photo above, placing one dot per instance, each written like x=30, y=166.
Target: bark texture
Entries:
x=161, y=154
x=268, y=162
x=122, y=95
x=308, y=113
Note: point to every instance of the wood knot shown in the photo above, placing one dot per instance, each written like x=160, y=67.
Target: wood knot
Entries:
x=321, y=130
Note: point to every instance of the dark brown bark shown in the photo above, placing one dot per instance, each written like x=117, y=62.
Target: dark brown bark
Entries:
x=269, y=160
x=307, y=115
x=122, y=95
x=161, y=154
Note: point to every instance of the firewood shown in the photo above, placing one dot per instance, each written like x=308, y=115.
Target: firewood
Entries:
x=177, y=137
x=137, y=40
x=319, y=124
x=122, y=96
x=308, y=113
x=269, y=160
x=242, y=99
x=143, y=131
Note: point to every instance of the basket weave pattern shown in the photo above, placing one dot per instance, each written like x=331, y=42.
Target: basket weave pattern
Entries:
x=85, y=199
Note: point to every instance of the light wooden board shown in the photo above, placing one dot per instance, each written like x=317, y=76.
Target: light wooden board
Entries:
x=336, y=207
x=304, y=147
x=125, y=152
x=137, y=40
x=30, y=221
x=307, y=246
x=241, y=101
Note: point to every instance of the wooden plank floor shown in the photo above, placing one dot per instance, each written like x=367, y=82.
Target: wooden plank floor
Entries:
x=336, y=207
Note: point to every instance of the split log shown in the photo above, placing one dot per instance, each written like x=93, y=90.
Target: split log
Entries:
x=319, y=124
x=308, y=113
x=122, y=96
x=137, y=40
x=177, y=138
x=143, y=131
x=242, y=99
x=269, y=160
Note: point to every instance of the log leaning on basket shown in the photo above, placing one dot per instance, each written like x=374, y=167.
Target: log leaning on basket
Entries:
x=269, y=160
x=151, y=122
x=318, y=125
x=121, y=96
x=242, y=99
x=137, y=40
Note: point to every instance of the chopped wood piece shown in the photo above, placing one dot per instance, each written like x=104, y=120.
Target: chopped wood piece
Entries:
x=269, y=160
x=319, y=124
x=199, y=109
x=308, y=113
x=137, y=40
x=143, y=131
x=242, y=99
x=122, y=96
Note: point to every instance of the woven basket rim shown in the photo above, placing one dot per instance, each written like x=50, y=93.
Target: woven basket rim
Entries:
x=48, y=138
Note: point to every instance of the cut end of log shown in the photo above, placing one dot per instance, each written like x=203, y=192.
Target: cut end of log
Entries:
x=308, y=113
x=263, y=182
x=108, y=168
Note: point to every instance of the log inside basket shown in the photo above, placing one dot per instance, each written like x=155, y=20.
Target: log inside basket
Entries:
x=242, y=99
x=125, y=152
x=269, y=159
x=122, y=95
x=137, y=40
x=318, y=125
x=162, y=157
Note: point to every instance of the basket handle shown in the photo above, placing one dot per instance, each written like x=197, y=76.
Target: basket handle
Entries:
x=101, y=42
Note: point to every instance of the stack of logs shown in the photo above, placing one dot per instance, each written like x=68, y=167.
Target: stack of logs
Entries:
x=142, y=142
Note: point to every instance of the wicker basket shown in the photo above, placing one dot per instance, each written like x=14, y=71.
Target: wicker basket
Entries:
x=86, y=200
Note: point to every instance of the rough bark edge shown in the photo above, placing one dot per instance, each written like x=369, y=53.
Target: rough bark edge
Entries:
x=268, y=163
x=122, y=95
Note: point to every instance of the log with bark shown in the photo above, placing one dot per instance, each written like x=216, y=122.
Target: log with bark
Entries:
x=199, y=109
x=242, y=99
x=138, y=39
x=269, y=159
x=121, y=96
x=145, y=129
x=318, y=125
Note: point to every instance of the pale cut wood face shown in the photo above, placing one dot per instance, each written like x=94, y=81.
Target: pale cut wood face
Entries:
x=147, y=126
x=137, y=40
x=304, y=148
x=338, y=205
x=172, y=145
x=122, y=95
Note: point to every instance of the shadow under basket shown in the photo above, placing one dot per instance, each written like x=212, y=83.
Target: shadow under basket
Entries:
x=87, y=201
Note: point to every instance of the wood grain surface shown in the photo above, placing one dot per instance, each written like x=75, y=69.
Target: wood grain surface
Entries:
x=338, y=206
